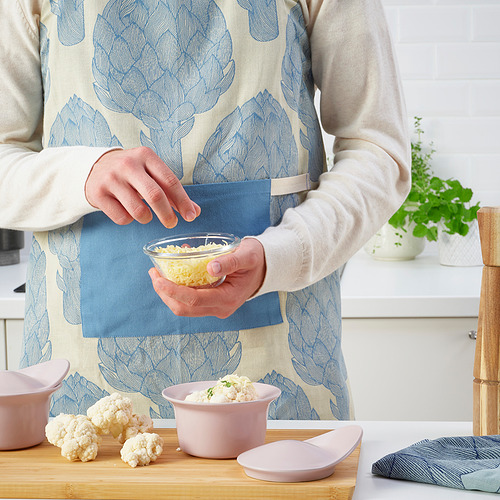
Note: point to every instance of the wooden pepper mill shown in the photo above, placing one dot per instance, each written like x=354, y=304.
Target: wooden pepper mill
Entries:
x=486, y=387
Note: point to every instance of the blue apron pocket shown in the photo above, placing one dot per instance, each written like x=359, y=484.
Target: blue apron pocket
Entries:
x=117, y=297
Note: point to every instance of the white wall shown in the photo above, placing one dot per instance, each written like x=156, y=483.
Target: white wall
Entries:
x=449, y=57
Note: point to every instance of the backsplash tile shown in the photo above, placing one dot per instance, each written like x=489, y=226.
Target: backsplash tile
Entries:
x=437, y=24
x=485, y=23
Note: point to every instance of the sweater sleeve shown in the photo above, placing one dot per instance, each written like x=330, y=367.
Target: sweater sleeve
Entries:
x=39, y=189
x=362, y=105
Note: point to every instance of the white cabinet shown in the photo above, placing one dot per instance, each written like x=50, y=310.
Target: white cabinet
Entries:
x=11, y=337
x=406, y=337
x=14, y=337
x=410, y=368
x=3, y=346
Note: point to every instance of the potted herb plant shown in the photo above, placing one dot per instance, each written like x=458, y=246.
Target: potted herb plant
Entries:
x=434, y=210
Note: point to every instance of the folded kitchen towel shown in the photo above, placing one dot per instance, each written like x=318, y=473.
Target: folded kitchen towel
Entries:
x=466, y=463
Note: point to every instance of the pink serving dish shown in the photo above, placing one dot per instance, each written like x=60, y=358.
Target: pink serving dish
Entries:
x=219, y=430
x=25, y=400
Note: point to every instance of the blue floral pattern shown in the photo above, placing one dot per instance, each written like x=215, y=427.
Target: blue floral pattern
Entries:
x=75, y=396
x=262, y=19
x=70, y=20
x=314, y=340
x=298, y=88
x=37, y=347
x=292, y=403
x=149, y=364
x=64, y=243
x=79, y=124
x=76, y=124
x=254, y=142
x=164, y=62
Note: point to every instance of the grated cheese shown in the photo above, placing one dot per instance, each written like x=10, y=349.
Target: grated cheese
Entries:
x=188, y=271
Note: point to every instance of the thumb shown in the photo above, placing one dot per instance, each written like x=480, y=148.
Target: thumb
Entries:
x=225, y=264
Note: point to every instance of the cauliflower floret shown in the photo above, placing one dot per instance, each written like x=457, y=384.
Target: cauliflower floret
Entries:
x=76, y=435
x=228, y=389
x=111, y=414
x=138, y=424
x=142, y=449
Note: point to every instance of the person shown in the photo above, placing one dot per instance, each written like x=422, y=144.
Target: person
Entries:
x=126, y=121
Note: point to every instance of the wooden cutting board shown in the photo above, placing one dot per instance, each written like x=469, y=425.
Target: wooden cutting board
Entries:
x=41, y=472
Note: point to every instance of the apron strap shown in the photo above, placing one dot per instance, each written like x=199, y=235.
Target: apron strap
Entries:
x=293, y=184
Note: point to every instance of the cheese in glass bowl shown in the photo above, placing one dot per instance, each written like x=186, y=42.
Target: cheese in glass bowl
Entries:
x=183, y=259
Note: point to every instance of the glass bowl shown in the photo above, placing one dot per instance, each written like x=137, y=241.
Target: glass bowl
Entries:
x=219, y=430
x=183, y=259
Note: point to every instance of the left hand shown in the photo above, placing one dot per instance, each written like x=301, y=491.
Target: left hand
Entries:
x=245, y=269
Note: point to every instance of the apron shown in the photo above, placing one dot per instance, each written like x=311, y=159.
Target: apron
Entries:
x=229, y=100
x=117, y=297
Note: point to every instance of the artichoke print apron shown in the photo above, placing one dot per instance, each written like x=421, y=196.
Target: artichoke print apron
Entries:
x=222, y=91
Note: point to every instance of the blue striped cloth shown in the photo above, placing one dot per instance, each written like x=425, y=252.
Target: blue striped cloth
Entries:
x=466, y=463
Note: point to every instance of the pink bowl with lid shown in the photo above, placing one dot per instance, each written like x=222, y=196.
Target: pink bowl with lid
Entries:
x=25, y=400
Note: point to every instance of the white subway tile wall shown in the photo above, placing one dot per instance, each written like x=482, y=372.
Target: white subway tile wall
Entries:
x=449, y=59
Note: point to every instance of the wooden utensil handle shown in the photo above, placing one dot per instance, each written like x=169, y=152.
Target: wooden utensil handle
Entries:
x=486, y=386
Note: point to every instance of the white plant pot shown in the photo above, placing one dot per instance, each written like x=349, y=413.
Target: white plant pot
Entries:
x=456, y=250
x=389, y=243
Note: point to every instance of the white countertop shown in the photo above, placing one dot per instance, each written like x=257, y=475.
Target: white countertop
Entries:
x=11, y=303
x=382, y=438
x=370, y=288
x=405, y=289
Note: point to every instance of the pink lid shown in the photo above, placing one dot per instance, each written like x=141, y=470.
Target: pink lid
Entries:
x=33, y=379
x=14, y=383
x=294, y=461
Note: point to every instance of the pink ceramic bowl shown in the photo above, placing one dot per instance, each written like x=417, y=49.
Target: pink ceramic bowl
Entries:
x=25, y=401
x=219, y=430
x=23, y=418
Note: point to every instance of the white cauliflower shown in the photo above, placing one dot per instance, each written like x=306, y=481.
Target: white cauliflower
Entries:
x=228, y=389
x=138, y=424
x=79, y=436
x=142, y=449
x=76, y=435
x=111, y=414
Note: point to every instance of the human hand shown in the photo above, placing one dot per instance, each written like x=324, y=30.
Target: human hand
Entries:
x=245, y=269
x=121, y=179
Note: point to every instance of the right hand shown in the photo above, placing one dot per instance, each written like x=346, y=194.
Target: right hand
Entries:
x=121, y=181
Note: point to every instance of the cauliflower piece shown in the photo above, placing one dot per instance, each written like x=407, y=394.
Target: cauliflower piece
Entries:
x=142, y=449
x=76, y=435
x=228, y=389
x=111, y=414
x=138, y=424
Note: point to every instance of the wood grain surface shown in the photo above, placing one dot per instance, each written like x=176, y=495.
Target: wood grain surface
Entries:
x=486, y=384
x=41, y=472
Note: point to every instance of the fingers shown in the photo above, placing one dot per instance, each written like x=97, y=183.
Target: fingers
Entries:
x=115, y=211
x=166, y=182
x=125, y=183
x=225, y=264
x=191, y=302
x=249, y=255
